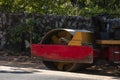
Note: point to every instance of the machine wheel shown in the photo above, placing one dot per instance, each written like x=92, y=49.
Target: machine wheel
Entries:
x=61, y=66
x=61, y=37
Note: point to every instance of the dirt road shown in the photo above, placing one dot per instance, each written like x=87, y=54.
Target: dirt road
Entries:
x=17, y=73
x=31, y=68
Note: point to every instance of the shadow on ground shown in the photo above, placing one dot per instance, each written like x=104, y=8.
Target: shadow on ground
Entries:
x=15, y=72
x=103, y=71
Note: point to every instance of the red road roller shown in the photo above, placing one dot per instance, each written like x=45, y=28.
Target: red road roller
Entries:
x=69, y=50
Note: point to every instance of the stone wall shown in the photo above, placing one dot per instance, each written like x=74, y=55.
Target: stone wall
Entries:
x=43, y=23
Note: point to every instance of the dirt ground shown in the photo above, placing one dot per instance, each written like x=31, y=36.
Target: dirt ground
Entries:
x=20, y=61
x=33, y=62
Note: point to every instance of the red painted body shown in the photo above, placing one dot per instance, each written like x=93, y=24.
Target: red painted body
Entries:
x=114, y=53
x=74, y=53
x=110, y=53
x=62, y=52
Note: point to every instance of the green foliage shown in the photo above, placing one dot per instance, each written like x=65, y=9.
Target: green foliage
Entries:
x=17, y=32
x=60, y=7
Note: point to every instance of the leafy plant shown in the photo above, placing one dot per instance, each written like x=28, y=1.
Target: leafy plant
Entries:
x=60, y=7
x=18, y=34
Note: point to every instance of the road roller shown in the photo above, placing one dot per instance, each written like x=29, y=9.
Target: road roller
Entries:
x=72, y=49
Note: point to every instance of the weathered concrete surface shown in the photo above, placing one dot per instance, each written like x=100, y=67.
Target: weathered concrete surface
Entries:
x=17, y=73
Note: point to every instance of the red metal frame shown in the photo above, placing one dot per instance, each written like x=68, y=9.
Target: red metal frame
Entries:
x=108, y=53
x=63, y=52
x=82, y=54
x=114, y=56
